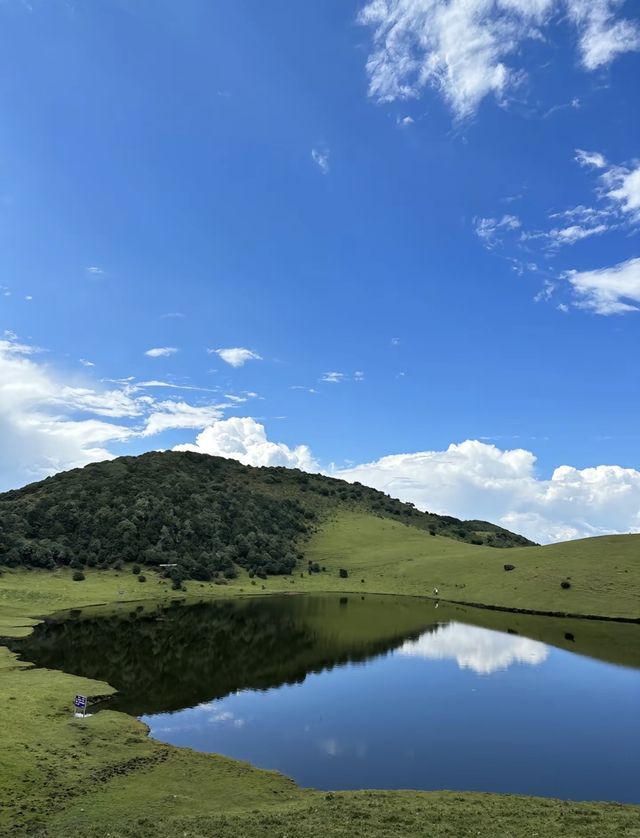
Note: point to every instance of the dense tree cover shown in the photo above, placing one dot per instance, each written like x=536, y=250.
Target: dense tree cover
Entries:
x=205, y=515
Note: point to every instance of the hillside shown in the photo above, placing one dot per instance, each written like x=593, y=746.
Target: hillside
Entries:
x=603, y=574
x=208, y=516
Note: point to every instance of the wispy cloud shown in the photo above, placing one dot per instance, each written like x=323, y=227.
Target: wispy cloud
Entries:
x=93, y=270
x=332, y=377
x=590, y=159
x=612, y=290
x=489, y=230
x=460, y=48
x=321, y=158
x=161, y=351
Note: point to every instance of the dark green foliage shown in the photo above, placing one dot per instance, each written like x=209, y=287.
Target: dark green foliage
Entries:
x=565, y=585
x=142, y=578
x=78, y=576
x=207, y=515
x=135, y=569
x=343, y=573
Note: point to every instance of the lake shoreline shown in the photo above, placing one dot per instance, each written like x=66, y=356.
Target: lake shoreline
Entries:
x=129, y=772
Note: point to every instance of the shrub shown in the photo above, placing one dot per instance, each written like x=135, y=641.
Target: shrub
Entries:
x=78, y=576
x=142, y=578
x=509, y=567
x=564, y=584
x=343, y=573
x=135, y=569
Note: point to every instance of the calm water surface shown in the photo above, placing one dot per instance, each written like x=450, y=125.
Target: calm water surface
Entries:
x=375, y=692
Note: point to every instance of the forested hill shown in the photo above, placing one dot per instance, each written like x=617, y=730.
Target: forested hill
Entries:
x=208, y=515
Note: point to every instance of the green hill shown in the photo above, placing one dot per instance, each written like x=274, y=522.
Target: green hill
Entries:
x=601, y=576
x=208, y=516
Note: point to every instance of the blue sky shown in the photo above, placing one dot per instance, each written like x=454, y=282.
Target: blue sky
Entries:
x=418, y=219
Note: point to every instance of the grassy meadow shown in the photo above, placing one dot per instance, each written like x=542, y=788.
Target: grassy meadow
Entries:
x=103, y=776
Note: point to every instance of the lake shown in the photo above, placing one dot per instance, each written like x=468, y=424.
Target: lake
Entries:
x=349, y=692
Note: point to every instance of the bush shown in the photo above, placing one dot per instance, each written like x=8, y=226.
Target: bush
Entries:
x=142, y=578
x=135, y=569
x=564, y=584
x=78, y=576
x=343, y=573
x=509, y=567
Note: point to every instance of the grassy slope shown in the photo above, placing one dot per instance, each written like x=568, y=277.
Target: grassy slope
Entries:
x=104, y=776
x=392, y=558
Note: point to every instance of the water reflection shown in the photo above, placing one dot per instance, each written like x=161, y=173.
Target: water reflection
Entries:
x=481, y=650
x=373, y=692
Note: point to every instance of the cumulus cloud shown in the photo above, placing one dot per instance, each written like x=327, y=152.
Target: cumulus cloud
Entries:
x=48, y=424
x=614, y=290
x=321, y=159
x=161, y=351
x=245, y=440
x=473, y=479
x=461, y=47
x=481, y=650
x=236, y=356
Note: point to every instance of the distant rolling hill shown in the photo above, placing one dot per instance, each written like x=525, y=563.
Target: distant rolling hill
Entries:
x=592, y=576
x=208, y=516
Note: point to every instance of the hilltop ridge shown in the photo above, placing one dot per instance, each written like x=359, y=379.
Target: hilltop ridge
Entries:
x=206, y=515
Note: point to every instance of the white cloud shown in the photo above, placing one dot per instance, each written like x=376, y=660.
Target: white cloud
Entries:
x=332, y=377
x=489, y=229
x=48, y=424
x=94, y=270
x=626, y=190
x=169, y=415
x=321, y=159
x=614, y=290
x=575, y=233
x=86, y=363
x=590, y=159
x=358, y=375
x=236, y=356
x=601, y=36
x=482, y=650
x=460, y=47
x=405, y=121
x=161, y=351
x=245, y=440
x=476, y=480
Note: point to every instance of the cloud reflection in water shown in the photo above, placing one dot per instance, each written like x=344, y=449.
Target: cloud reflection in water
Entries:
x=481, y=650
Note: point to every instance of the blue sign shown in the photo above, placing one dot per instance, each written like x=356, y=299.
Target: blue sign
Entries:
x=80, y=702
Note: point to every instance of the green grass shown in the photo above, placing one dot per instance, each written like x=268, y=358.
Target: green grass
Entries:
x=604, y=572
x=104, y=776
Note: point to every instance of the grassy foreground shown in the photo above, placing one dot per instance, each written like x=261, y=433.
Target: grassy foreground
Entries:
x=104, y=777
